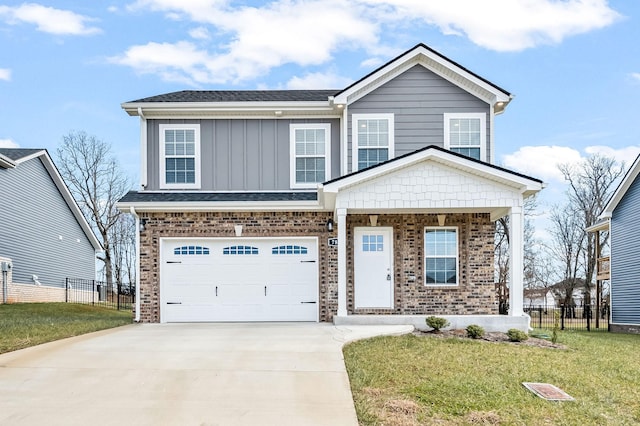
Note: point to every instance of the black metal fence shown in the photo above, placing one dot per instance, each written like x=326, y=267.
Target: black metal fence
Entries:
x=119, y=296
x=569, y=317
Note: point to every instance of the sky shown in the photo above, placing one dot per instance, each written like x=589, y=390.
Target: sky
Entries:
x=573, y=66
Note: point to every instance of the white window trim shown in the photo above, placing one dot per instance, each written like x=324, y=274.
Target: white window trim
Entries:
x=483, y=129
x=354, y=135
x=424, y=255
x=292, y=153
x=163, y=177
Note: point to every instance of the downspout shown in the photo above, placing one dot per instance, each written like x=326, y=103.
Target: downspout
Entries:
x=143, y=149
x=133, y=212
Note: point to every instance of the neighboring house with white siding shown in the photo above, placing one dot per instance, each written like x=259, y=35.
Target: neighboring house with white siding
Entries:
x=621, y=267
x=375, y=203
x=42, y=230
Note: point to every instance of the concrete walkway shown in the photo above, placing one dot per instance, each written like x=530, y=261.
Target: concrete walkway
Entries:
x=186, y=374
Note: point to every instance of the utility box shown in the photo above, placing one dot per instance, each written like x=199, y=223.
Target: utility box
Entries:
x=5, y=266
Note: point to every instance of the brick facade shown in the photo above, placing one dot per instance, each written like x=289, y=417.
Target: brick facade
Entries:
x=474, y=294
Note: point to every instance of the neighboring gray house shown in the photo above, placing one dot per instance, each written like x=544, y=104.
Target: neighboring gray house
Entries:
x=373, y=203
x=42, y=229
x=621, y=267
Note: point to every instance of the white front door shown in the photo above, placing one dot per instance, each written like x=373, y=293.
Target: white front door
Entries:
x=373, y=267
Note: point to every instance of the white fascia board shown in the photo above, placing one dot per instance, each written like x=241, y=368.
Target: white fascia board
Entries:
x=6, y=162
x=523, y=184
x=221, y=206
x=622, y=189
x=426, y=58
x=208, y=108
x=71, y=202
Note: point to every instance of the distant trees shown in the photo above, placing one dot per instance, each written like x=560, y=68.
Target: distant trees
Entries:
x=97, y=183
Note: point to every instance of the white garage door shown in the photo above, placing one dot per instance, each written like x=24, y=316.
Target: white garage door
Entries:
x=263, y=279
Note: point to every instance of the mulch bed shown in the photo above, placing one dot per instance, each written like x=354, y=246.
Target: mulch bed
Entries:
x=495, y=337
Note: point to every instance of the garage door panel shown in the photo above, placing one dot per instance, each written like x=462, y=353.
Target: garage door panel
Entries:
x=229, y=280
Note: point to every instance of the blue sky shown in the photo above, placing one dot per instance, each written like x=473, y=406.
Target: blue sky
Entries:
x=573, y=65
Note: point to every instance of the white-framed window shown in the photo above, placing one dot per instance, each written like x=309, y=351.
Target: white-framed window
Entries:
x=179, y=156
x=441, y=256
x=310, y=154
x=466, y=134
x=373, y=139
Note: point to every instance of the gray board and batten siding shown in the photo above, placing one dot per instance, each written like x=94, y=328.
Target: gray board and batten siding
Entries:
x=33, y=217
x=418, y=98
x=625, y=269
x=241, y=154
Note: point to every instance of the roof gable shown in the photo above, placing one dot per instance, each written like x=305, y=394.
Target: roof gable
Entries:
x=437, y=63
x=622, y=188
x=21, y=155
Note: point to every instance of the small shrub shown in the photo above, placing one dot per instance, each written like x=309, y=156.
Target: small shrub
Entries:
x=475, y=331
x=437, y=322
x=556, y=327
x=516, y=335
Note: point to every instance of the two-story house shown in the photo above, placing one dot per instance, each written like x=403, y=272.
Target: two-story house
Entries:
x=372, y=203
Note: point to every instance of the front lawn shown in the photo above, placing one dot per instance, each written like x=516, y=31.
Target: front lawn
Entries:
x=28, y=324
x=417, y=380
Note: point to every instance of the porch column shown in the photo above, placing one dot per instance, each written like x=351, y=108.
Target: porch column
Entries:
x=342, y=262
x=516, y=259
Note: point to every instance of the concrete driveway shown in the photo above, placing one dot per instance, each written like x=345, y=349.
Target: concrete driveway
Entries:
x=185, y=374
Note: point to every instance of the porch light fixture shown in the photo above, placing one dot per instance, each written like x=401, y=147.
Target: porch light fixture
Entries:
x=238, y=229
x=373, y=219
x=330, y=225
x=143, y=222
x=441, y=219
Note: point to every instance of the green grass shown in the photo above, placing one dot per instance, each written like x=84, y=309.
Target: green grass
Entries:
x=413, y=380
x=28, y=324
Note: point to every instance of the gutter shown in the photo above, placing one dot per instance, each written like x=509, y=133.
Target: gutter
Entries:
x=133, y=212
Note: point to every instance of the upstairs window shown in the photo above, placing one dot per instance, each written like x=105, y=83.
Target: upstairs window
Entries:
x=310, y=154
x=466, y=134
x=179, y=156
x=372, y=136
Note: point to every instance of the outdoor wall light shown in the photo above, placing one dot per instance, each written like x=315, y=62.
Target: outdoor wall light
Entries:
x=143, y=223
x=330, y=225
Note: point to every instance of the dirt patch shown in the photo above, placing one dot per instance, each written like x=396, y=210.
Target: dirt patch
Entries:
x=400, y=412
x=483, y=418
x=494, y=337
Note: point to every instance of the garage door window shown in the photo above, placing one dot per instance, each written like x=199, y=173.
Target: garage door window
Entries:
x=289, y=250
x=232, y=250
x=190, y=250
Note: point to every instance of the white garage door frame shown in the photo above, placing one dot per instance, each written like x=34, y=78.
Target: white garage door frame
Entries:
x=236, y=241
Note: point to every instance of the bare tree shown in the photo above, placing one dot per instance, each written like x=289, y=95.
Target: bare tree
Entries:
x=591, y=184
x=97, y=183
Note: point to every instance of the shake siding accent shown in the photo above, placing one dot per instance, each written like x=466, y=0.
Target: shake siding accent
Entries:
x=418, y=98
x=34, y=216
x=625, y=244
x=241, y=154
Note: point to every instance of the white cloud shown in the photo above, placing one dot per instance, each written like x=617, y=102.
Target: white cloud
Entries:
x=200, y=33
x=252, y=40
x=48, y=19
x=635, y=75
x=541, y=161
x=622, y=155
x=508, y=25
x=5, y=74
x=8, y=143
x=319, y=80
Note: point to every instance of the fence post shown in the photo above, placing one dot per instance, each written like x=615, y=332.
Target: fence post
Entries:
x=539, y=316
x=588, y=313
x=562, y=317
x=118, y=287
x=93, y=292
x=66, y=290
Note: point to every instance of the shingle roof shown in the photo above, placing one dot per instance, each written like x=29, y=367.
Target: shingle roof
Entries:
x=161, y=197
x=241, y=96
x=16, y=154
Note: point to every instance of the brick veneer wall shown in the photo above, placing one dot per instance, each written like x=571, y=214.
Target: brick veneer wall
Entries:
x=475, y=293
x=216, y=224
